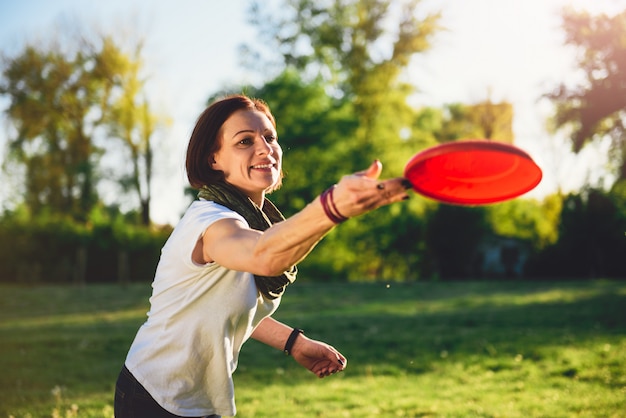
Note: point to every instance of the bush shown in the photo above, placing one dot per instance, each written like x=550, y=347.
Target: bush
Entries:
x=591, y=240
x=50, y=250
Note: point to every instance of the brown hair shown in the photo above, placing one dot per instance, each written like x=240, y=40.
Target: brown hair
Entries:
x=205, y=138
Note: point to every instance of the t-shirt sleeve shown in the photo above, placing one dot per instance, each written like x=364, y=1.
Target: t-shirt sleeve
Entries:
x=199, y=216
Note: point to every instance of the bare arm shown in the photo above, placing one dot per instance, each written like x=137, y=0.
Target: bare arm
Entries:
x=230, y=243
x=316, y=356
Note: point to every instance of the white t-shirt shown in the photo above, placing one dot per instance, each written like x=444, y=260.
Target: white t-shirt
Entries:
x=200, y=316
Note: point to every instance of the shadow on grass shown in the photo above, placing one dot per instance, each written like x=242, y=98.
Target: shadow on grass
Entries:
x=77, y=339
x=60, y=342
x=414, y=329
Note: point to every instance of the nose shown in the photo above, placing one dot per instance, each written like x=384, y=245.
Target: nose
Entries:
x=264, y=147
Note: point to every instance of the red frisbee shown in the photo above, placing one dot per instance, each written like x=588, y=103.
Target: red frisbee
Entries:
x=472, y=172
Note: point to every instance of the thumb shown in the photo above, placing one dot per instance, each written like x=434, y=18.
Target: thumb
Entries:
x=374, y=170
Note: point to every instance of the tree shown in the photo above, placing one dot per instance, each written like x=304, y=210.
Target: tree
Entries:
x=316, y=132
x=61, y=100
x=132, y=120
x=312, y=128
x=359, y=49
x=453, y=236
x=339, y=101
x=492, y=121
x=591, y=241
x=596, y=107
x=486, y=120
x=52, y=95
x=528, y=220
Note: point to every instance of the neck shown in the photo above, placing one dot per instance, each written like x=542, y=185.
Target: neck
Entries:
x=258, y=200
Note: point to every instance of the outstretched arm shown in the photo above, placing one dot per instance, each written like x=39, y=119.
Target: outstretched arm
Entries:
x=316, y=356
x=229, y=243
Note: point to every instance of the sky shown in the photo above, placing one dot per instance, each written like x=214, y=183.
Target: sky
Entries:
x=505, y=50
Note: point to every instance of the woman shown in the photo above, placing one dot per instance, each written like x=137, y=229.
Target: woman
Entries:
x=223, y=270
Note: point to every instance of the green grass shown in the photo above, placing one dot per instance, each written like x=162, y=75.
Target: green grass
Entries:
x=477, y=349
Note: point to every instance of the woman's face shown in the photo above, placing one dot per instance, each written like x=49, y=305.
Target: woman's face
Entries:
x=249, y=155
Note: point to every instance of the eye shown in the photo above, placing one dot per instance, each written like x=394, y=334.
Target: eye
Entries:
x=246, y=141
x=270, y=138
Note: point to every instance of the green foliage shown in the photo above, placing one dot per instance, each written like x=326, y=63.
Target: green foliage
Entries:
x=51, y=96
x=483, y=120
x=458, y=236
x=53, y=249
x=339, y=105
x=315, y=132
x=319, y=136
x=62, y=101
x=346, y=39
x=131, y=119
x=597, y=106
x=592, y=238
x=528, y=220
x=454, y=233
x=412, y=240
x=387, y=244
x=483, y=349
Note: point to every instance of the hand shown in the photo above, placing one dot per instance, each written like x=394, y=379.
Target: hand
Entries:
x=318, y=357
x=362, y=192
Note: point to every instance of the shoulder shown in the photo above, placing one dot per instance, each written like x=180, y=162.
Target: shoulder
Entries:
x=198, y=217
x=207, y=212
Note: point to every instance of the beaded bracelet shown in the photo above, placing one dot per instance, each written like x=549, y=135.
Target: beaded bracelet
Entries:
x=330, y=209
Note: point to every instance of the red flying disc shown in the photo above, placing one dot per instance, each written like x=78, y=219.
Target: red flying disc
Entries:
x=472, y=172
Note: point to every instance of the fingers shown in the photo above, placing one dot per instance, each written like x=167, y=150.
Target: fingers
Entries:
x=363, y=192
x=333, y=363
x=393, y=190
x=373, y=171
x=336, y=364
x=328, y=371
x=358, y=194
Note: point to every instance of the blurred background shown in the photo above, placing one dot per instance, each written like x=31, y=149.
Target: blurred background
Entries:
x=98, y=100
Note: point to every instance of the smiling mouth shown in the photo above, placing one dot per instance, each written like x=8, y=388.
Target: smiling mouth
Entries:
x=263, y=166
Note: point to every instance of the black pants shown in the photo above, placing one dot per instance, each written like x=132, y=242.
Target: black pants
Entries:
x=132, y=400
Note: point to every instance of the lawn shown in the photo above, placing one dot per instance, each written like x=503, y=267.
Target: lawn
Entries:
x=459, y=349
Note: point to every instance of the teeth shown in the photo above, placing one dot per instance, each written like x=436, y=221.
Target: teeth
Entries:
x=263, y=166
